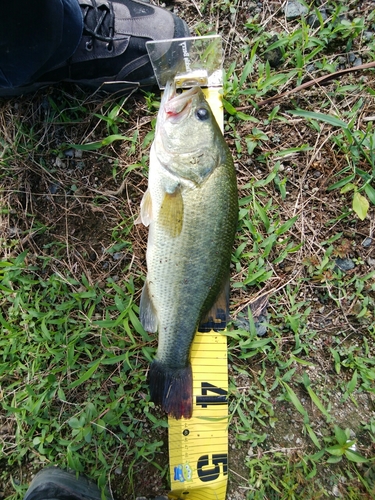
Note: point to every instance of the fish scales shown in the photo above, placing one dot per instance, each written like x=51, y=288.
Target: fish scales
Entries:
x=191, y=207
x=190, y=263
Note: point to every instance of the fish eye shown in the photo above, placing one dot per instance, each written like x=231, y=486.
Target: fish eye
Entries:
x=202, y=114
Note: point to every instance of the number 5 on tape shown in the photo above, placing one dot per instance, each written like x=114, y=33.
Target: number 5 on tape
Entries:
x=198, y=447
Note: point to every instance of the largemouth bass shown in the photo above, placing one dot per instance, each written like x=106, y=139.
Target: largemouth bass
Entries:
x=191, y=208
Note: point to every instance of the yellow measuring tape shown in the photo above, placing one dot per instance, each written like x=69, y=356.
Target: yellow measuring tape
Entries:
x=198, y=447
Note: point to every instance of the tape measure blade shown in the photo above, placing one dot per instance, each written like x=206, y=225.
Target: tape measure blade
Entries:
x=198, y=447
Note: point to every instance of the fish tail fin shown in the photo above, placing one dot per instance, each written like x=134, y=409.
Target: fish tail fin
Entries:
x=172, y=389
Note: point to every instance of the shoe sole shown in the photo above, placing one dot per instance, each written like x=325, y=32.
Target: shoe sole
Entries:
x=55, y=484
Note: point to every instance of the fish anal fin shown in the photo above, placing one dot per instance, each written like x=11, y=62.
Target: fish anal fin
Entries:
x=172, y=213
x=172, y=389
x=145, y=215
x=147, y=313
x=217, y=317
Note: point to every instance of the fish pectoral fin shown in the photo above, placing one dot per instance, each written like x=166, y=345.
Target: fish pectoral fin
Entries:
x=145, y=216
x=172, y=212
x=147, y=313
x=217, y=317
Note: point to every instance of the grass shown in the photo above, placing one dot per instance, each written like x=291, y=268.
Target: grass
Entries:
x=74, y=356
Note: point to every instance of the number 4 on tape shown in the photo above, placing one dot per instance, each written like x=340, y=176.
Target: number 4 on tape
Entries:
x=198, y=447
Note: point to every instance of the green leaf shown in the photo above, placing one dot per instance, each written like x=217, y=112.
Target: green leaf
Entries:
x=354, y=456
x=229, y=108
x=360, y=205
x=341, y=183
x=262, y=214
x=337, y=360
x=264, y=182
x=337, y=450
x=246, y=118
x=348, y=187
x=92, y=146
x=340, y=435
x=255, y=344
x=251, y=145
x=61, y=394
x=294, y=399
x=88, y=374
x=75, y=423
x=353, y=383
x=317, y=402
x=313, y=436
x=286, y=226
x=331, y=120
x=246, y=71
x=113, y=360
x=370, y=191
x=292, y=151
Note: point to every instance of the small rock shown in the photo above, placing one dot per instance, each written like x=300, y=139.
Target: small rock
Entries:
x=53, y=188
x=13, y=231
x=117, y=256
x=368, y=35
x=367, y=242
x=251, y=6
x=69, y=153
x=294, y=9
x=345, y=264
x=371, y=262
x=358, y=62
x=242, y=322
x=336, y=491
x=351, y=57
x=274, y=56
x=261, y=326
x=59, y=163
x=310, y=68
x=313, y=20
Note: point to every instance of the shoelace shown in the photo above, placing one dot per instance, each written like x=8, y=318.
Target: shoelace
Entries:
x=103, y=19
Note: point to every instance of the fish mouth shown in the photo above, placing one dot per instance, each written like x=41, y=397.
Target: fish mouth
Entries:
x=176, y=106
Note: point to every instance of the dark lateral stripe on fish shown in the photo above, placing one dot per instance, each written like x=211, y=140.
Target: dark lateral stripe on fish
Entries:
x=171, y=389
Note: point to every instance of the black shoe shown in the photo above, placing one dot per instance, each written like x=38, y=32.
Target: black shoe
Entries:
x=112, y=54
x=56, y=484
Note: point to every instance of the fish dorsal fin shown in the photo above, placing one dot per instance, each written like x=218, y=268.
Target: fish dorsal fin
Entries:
x=217, y=317
x=171, y=213
x=145, y=215
x=147, y=313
